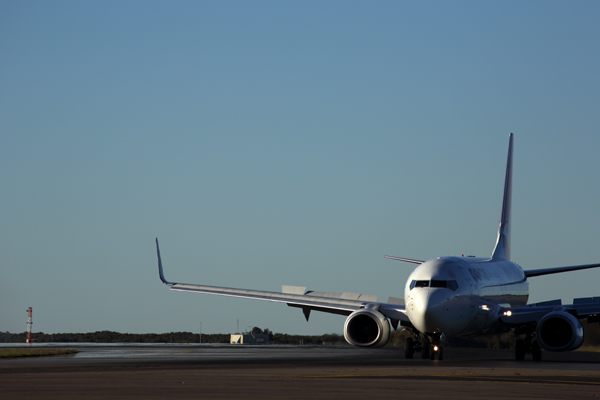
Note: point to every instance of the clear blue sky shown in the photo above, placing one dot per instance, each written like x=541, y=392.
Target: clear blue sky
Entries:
x=269, y=143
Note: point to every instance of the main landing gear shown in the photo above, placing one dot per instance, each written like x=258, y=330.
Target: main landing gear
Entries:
x=421, y=343
x=414, y=345
x=528, y=346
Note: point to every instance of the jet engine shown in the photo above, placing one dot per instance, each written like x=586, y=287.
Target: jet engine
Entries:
x=559, y=331
x=367, y=328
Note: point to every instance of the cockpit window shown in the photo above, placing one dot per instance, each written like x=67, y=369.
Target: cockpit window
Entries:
x=435, y=283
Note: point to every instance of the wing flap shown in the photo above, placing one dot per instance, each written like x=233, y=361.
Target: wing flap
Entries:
x=293, y=289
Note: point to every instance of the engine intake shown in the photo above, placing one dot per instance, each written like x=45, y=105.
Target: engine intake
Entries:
x=367, y=328
x=559, y=331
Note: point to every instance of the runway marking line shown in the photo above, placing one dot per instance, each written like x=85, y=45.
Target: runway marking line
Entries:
x=502, y=378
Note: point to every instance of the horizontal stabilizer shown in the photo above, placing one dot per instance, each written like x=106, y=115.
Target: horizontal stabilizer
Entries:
x=405, y=259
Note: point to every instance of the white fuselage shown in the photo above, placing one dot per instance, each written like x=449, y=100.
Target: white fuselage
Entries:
x=461, y=295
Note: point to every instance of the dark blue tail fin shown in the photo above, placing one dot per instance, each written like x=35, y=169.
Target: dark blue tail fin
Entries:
x=502, y=249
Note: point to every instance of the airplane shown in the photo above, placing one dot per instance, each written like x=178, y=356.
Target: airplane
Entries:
x=445, y=297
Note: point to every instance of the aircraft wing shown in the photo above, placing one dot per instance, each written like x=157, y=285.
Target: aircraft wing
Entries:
x=295, y=296
x=532, y=313
x=556, y=270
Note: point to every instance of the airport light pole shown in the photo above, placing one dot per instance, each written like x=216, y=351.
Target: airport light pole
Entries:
x=29, y=323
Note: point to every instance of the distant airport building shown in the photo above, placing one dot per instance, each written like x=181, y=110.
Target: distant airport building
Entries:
x=249, y=338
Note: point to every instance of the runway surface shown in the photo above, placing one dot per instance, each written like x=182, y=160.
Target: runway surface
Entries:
x=321, y=372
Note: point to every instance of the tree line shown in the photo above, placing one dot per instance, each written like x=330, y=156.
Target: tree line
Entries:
x=500, y=341
x=170, y=337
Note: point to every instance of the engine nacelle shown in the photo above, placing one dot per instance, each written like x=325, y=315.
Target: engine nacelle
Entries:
x=559, y=331
x=367, y=328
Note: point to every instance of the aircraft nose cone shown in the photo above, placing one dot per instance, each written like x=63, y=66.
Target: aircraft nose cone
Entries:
x=428, y=310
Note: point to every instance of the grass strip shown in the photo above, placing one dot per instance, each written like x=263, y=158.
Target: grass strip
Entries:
x=13, y=353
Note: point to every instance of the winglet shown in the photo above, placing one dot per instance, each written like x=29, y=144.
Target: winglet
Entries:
x=502, y=249
x=160, y=267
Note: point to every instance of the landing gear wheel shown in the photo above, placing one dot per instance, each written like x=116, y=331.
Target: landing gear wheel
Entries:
x=536, y=352
x=520, y=350
x=425, y=351
x=409, y=348
x=436, y=351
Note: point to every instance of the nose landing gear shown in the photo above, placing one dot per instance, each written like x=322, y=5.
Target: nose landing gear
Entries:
x=428, y=347
x=436, y=350
x=436, y=347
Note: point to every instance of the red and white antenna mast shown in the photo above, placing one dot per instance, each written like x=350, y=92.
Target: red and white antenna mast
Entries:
x=29, y=323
